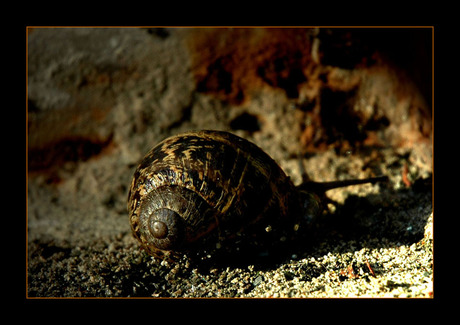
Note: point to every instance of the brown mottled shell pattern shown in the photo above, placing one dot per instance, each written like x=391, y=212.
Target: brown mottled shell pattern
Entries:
x=227, y=192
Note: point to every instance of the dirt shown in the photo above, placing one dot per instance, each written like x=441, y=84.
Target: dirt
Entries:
x=353, y=103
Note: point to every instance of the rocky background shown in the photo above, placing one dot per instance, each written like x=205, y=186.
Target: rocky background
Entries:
x=353, y=102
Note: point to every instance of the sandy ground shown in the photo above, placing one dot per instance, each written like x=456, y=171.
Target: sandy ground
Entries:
x=99, y=99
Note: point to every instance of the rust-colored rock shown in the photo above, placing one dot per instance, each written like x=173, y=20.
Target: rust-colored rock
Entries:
x=356, y=86
x=230, y=63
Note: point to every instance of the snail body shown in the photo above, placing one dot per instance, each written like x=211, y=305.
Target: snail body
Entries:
x=209, y=191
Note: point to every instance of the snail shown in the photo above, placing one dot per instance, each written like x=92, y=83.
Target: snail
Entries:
x=206, y=192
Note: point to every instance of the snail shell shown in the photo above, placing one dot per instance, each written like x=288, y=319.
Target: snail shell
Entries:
x=208, y=190
x=211, y=191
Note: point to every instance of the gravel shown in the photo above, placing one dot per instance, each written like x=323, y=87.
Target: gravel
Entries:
x=384, y=249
